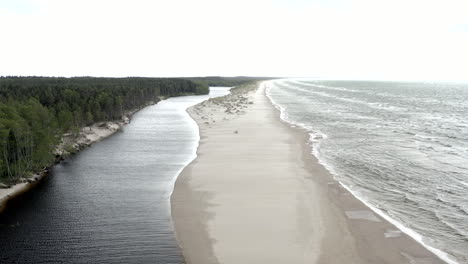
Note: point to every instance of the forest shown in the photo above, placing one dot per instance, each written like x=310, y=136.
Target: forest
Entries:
x=226, y=81
x=36, y=111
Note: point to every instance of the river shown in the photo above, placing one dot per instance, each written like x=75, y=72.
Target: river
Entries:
x=109, y=203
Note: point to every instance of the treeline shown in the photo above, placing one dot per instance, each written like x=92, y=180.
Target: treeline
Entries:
x=36, y=111
x=226, y=81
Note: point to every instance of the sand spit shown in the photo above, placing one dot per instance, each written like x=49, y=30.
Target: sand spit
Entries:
x=256, y=195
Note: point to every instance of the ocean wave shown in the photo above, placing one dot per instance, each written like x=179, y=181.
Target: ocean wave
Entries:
x=373, y=105
x=416, y=152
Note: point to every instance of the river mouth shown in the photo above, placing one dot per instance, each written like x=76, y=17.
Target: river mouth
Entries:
x=109, y=203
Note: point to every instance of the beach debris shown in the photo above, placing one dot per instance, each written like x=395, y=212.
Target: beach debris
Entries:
x=389, y=233
x=362, y=215
x=236, y=132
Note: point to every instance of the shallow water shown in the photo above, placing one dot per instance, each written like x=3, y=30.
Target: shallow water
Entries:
x=109, y=203
x=400, y=146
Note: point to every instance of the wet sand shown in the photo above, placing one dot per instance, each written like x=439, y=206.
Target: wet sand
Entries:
x=255, y=194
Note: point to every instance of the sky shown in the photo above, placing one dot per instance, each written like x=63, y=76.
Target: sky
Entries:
x=349, y=39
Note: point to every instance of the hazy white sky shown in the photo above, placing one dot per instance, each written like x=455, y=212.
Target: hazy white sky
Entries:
x=394, y=39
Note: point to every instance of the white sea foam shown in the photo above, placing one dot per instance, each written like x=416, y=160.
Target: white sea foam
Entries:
x=410, y=232
x=344, y=89
x=315, y=151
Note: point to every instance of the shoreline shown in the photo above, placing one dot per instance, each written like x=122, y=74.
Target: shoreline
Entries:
x=87, y=136
x=400, y=226
x=344, y=228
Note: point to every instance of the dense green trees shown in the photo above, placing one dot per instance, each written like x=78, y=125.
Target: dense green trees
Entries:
x=36, y=111
x=28, y=133
x=226, y=81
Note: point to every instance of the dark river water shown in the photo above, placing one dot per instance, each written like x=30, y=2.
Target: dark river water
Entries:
x=110, y=202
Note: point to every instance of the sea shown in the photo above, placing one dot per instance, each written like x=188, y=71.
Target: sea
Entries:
x=401, y=147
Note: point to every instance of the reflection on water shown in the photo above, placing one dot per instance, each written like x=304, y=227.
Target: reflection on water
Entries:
x=109, y=203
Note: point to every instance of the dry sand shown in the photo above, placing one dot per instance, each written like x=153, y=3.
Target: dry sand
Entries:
x=256, y=195
x=89, y=135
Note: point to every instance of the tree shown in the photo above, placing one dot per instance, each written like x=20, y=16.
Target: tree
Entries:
x=36, y=111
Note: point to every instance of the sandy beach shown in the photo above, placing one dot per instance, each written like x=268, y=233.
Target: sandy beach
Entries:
x=256, y=195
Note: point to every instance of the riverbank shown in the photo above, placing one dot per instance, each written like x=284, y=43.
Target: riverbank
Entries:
x=110, y=203
x=256, y=195
x=70, y=144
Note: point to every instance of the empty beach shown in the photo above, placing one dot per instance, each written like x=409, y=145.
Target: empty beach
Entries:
x=255, y=194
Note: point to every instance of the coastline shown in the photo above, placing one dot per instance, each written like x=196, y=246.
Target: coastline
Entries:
x=401, y=227
x=219, y=217
x=70, y=145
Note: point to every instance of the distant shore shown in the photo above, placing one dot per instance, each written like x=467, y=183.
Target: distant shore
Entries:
x=256, y=195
